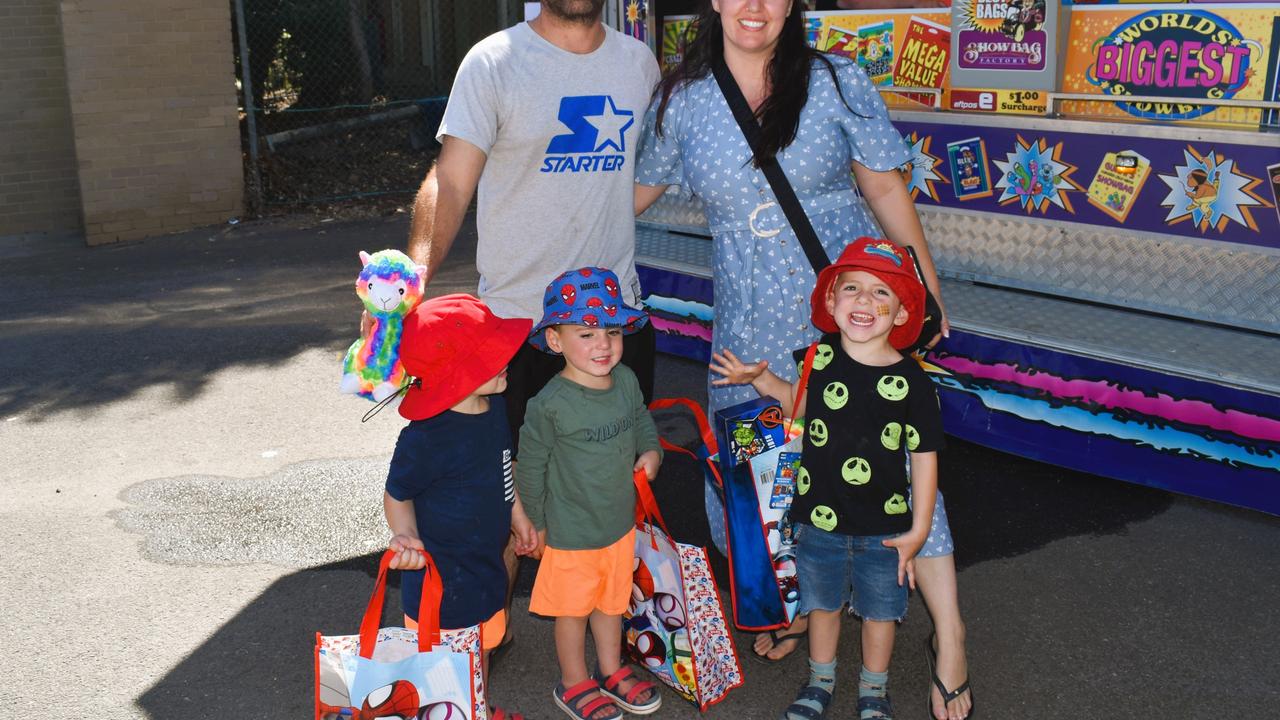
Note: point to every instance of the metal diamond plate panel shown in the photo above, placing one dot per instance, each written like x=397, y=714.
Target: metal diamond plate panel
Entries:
x=1244, y=359
x=657, y=247
x=677, y=210
x=1210, y=281
x=1216, y=282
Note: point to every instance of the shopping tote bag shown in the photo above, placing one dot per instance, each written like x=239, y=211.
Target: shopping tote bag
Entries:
x=395, y=672
x=675, y=625
x=755, y=496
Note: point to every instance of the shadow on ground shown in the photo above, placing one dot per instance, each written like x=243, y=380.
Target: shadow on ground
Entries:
x=260, y=662
x=82, y=327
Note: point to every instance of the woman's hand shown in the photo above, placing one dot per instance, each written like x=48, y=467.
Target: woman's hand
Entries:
x=733, y=370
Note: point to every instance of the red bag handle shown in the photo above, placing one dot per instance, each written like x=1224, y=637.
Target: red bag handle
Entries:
x=428, y=607
x=647, y=505
x=704, y=430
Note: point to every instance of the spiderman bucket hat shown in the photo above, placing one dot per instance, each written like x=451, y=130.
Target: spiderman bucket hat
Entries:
x=452, y=345
x=586, y=296
x=894, y=267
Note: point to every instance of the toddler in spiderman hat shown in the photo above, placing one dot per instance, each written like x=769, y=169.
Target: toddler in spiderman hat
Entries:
x=584, y=437
x=450, y=489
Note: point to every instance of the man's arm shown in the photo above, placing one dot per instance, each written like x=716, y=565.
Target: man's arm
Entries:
x=442, y=202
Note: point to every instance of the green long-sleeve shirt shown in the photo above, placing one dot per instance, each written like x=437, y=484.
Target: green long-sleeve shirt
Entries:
x=577, y=450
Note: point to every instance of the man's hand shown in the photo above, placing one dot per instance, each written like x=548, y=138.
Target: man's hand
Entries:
x=408, y=553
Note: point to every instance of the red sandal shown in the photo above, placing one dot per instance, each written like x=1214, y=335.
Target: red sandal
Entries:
x=568, y=698
x=631, y=700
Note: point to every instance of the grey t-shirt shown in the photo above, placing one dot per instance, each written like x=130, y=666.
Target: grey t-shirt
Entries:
x=560, y=131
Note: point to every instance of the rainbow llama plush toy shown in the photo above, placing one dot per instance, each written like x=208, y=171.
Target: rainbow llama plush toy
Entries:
x=390, y=286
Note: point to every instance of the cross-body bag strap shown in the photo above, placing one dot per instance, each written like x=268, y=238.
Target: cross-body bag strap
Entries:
x=769, y=166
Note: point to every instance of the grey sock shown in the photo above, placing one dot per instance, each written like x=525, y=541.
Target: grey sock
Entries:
x=873, y=685
x=822, y=676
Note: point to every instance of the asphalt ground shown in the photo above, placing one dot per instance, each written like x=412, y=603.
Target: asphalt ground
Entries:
x=185, y=500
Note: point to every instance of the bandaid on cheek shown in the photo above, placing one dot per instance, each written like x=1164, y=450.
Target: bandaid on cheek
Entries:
x=882, y=310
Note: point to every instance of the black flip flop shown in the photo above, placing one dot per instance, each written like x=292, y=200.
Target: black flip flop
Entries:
x=931, y=656
x=776, y=639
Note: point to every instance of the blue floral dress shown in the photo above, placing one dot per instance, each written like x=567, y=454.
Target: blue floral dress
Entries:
x=762, y=279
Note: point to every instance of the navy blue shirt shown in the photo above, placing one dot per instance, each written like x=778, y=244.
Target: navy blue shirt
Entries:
x=456, y=468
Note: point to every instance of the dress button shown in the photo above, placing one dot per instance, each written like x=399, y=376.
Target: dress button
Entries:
x=792, y=271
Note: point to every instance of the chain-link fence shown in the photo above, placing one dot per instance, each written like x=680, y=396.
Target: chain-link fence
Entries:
x=344, y=96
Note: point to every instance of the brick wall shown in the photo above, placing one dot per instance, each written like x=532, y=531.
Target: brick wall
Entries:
x=153, y=106
x=38, y=189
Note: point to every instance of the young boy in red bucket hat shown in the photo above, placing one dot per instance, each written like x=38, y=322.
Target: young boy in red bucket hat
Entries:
x=450, y=489
x=584, y=436
x=856, y=534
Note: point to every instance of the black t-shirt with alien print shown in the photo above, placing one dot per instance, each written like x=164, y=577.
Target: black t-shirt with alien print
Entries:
x=860, y=420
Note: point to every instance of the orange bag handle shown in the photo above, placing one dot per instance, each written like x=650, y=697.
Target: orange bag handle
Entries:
x=428, y=607
x=804, y=383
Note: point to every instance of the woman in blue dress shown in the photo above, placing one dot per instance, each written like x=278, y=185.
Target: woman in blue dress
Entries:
x=820, y=115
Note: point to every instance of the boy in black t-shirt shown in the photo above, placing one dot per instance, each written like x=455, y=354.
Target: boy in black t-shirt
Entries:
x=450, y=489
x=856, y=533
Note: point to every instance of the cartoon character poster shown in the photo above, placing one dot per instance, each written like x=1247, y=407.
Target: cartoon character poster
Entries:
x=1035, y=176
x=635, y=19
x=1273, y=173
x=1001, y=35
x=922, y=61
x=875, y=51
x=1211, y=191
x=1116, y=185
x=840, y=41
x=921, y=171
x=970, y=178
x=676, y=32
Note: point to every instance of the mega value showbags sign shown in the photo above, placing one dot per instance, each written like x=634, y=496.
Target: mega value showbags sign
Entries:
x=1175, y=54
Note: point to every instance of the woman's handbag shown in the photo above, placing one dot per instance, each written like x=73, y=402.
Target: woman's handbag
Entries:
x=790, y=204
x=395, y=672
x=675, y=625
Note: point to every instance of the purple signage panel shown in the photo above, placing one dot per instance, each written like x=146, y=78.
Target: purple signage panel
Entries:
x=1199, y=189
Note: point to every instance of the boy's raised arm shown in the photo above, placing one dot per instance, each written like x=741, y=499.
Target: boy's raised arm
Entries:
x=765, y=382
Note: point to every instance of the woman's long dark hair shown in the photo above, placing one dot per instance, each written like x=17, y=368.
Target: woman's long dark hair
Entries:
x=788, y=76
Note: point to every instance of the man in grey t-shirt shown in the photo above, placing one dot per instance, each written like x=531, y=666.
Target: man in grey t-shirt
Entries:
x=542, y=126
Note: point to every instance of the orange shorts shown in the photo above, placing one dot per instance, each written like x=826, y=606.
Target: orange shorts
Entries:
x=575, y=583
x=491, y=630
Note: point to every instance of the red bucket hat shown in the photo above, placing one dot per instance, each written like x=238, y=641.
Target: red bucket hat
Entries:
x=452, y=345
x=894, y=267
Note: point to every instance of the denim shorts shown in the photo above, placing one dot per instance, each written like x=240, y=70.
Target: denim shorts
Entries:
x=857, y=570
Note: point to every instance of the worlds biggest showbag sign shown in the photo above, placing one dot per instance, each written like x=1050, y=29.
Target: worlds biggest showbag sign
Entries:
x=1183, y=55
